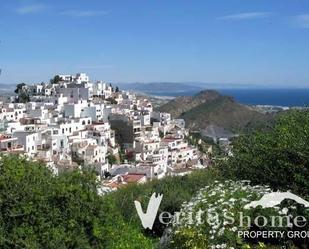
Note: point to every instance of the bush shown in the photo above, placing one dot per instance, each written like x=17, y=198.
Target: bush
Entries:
x=188, y=238
x=39, y=210
x=278, y=157
x=213, y=217
x=175, y=191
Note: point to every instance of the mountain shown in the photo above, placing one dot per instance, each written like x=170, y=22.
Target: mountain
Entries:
x=209, y=108
x=161, y=88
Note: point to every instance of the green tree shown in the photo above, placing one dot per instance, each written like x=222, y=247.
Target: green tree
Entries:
x=23, y=95
x=278, y=157
x=39, y=210
x=55, y=80
x=175, y=190
x=19, y=88
x=111, y=159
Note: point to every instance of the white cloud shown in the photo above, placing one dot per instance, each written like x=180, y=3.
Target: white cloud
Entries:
x=302, y=21
x=29, y=9
x=84, y=13
x=245, y=16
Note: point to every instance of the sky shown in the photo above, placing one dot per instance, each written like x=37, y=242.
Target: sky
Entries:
x=254, y=42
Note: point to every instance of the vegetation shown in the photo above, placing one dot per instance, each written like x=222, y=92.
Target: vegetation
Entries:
x=19, y=88
x=175, y=191
x=113, y=101
x=23, y=95
x=211, y=108
x=184, y=104
x=39, y=210
x=111, y=159
x=188, y=238
x=278, y=157
x=214, y=214
x=55, y=80
x=204, y=143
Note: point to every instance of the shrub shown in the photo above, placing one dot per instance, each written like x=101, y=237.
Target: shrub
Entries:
x=39, y=210
x=175, y=190
x=278, y=157
x=215, y=214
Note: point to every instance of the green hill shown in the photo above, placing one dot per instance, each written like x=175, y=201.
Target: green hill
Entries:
x=210, y=108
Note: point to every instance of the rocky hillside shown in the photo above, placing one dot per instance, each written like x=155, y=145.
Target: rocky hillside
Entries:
x=210, y=108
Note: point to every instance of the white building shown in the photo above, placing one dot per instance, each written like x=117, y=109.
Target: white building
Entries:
x=76, y=122
x=29, y=140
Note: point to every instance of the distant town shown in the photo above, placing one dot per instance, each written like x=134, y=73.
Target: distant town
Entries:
x=73, y=122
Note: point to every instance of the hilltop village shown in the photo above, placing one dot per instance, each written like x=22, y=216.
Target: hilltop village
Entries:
x=73, y=123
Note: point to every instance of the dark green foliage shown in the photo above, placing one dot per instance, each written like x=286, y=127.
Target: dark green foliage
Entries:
x=175, y=191
x=188, y=238
x=111, y=159
x=55, y=80
x=112, y=100
x=205, y=143
x=23, y=95
x=19, y=87
x=39, y=210
x=278, y=157
x=161, y=134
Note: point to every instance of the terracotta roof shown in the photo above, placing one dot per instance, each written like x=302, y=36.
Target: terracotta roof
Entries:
x=170, y=139
x=132, y=178
x=4, y=137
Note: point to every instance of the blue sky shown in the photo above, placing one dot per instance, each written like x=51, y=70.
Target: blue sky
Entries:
x=258, y=42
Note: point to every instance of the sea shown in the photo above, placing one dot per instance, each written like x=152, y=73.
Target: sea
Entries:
x=275, y=97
